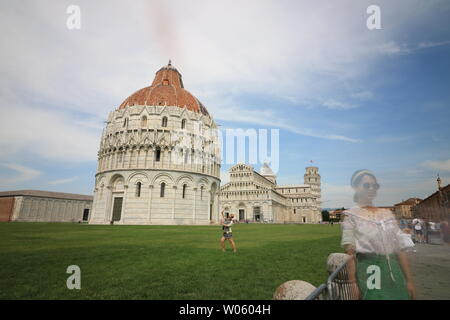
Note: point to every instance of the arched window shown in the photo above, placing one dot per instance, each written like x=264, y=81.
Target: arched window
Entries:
x=183, y=124
x=158, y=154
x=138, y=189
x=201, y=193
x=125, y=122
x=164, y=122
x=144, y=121
x=163, y=187
x=184, y=191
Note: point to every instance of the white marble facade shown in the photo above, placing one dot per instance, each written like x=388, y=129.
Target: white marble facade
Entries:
x=255, y=197
x=130, y=168
x=44, y=209
x=158, y=163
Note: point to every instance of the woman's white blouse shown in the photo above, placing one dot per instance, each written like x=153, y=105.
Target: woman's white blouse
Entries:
x=381, y=235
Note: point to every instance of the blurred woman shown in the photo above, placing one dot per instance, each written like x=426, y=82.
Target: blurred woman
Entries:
x=379, y=266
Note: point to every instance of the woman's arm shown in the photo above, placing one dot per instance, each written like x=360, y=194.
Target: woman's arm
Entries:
x=404, y=264
x=349, y=243
x=351, y=269
x=351, y=265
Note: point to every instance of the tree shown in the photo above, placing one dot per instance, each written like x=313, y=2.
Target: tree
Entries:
x=325, y=215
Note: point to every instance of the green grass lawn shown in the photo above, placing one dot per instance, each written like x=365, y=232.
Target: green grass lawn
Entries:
x=160, y=262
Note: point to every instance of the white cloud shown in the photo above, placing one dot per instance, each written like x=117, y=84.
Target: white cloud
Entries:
x=334, y=104
x=271, y=119
x=424, y=45
x=393, y=48
x=393, y=139
x=362, y=95
x=265, y=51
x=63, y=181
x=48, y=134
x=443, y=165
x=23, y=174
x=336, y=196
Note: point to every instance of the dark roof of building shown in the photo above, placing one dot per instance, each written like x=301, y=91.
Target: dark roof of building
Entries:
x=436, y=192
x=46, y=194
x=409, y=202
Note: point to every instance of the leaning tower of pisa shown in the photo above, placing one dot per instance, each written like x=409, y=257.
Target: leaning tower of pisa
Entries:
x=312, y=178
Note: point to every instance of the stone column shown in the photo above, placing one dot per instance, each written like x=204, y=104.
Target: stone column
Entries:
x=122, y=158
x=124, y=205
x=108, y=161
x=169, y=165
x=216, y=203
x=130, y=157
x=108, y=158
x=153, y=156
x=174, y=199
x=150, y=192
x=99, y=165
x=195, y=201
x=108, y=205
x=145, y=159
x=94, y=204
x=209, y=205
x=138, y=157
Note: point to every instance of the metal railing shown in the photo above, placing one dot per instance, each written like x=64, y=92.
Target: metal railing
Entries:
x=321, y=293
x=338, y=286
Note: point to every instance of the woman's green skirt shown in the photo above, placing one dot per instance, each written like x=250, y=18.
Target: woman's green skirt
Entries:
x=375, y=280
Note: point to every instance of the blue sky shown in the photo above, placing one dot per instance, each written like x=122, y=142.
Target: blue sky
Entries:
x=341, y=95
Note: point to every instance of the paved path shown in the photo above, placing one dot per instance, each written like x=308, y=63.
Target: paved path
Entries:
x=430, y=265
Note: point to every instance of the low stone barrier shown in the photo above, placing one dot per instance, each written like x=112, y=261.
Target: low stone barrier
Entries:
x=300, y=290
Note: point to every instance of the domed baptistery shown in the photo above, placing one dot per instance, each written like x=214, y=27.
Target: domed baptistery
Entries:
x=159, y=158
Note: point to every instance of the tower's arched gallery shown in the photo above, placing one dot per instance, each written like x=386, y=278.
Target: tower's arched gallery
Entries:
x=159, y=158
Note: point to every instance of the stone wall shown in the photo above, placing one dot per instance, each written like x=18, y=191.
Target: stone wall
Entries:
x=6, y=208
x=36, y=209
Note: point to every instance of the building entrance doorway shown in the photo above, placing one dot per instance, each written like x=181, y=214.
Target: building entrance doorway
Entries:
x=117, y=209
x=241, y=214
x=257, y=214
x=85, y=214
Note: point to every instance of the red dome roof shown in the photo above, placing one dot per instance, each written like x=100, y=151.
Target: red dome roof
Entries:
x=167, y=89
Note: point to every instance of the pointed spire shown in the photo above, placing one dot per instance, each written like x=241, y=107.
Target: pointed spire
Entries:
x=439, y=182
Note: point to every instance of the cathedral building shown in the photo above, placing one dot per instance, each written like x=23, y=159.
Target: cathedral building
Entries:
x=256, y=197
x=159, y=158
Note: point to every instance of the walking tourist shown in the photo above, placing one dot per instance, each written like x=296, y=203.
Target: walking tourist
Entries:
x=418, y=232
x=227, y=222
